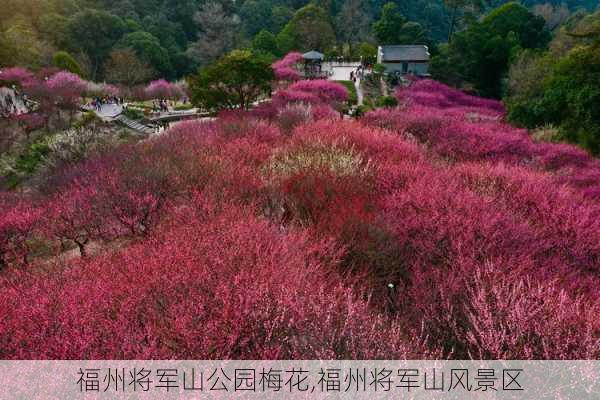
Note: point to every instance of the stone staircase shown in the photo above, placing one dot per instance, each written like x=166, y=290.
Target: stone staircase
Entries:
x=136, y=126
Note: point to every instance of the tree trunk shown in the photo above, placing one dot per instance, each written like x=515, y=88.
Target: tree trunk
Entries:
x=82, y=250
x=452, y=23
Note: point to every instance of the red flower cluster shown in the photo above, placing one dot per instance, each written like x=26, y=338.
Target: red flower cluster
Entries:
x=286, y=68
x=465, y=128
x=424, y=231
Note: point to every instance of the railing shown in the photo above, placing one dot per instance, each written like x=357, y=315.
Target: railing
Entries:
x=317, y=75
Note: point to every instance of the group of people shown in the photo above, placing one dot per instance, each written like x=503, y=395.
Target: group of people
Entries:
x=160, y=105
x=358, y=73
x=161, y=126
x=98, y=102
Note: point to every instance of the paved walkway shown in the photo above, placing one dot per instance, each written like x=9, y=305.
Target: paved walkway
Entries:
x=175, y=114
x=359, y=93
x=107, y=111
x=340, y=73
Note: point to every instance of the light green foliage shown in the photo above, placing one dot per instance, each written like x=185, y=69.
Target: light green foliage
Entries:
x=368, y=52
x=352, y=96
x=21, y=45
x=63, y=60
x=567, y=97
x=265, y=42
x=234, y=81
x=386, y=101
x=561, y=87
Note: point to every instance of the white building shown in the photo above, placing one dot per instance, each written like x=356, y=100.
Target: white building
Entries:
x=405, y=59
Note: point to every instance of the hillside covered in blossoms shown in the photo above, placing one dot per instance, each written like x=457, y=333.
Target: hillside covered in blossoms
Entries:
x=431, y=229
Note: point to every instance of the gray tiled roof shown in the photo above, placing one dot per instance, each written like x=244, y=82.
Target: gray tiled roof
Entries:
x=312, y=55
x=405, y=53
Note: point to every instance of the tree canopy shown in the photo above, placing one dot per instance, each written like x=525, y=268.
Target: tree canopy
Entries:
x=561, y=87
x=148, y=48
x=234, y=81
x=310, y=29
x=95, y=33
x=481, y=53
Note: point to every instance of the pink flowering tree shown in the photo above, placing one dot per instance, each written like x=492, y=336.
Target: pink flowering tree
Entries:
x=101, y=89
x=326, y=91
x=67, y=89
x=30, y=122
x=312, y=92
x=161, y=89
x=15, y=76
x=36, y=90
x=287, y=69
x=19, y=221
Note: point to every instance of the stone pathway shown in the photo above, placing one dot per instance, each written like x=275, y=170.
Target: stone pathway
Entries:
x=136, y=126
x=175, y=114
x=359, y=93
x=340, y=73
x=107, y=111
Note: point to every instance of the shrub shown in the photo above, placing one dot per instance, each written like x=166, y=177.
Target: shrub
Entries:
x=133, y=113
x=19, y=222
x=292, y=116
x=64, y=61
x=351, y=88
x=438, y=226
x=227, y=297
x=162, y=89
x=460, y=127
x=512, y=318
x=386, y=101
x=286, y=70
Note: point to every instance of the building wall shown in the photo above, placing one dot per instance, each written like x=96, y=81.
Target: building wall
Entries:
x=413, y=67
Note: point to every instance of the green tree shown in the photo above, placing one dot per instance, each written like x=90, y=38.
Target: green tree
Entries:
x=53, y=27
x=387, y=27
x=216, y=34
x=572, y=95
x=95, y=33
x=21, y=45
x=353, y=21
x=182, y=12
x=234, y=81
x=393, y=28
x=148, y=49
x=559, y=90
x=285, y=42
x=65, y=61
x=458, y=9
x=368, y=52
x=309, y=29
x=530, y=29
x=480, y=54
x=265, y=42
x=124, y=67
x=256, y=15
x=280, y=16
